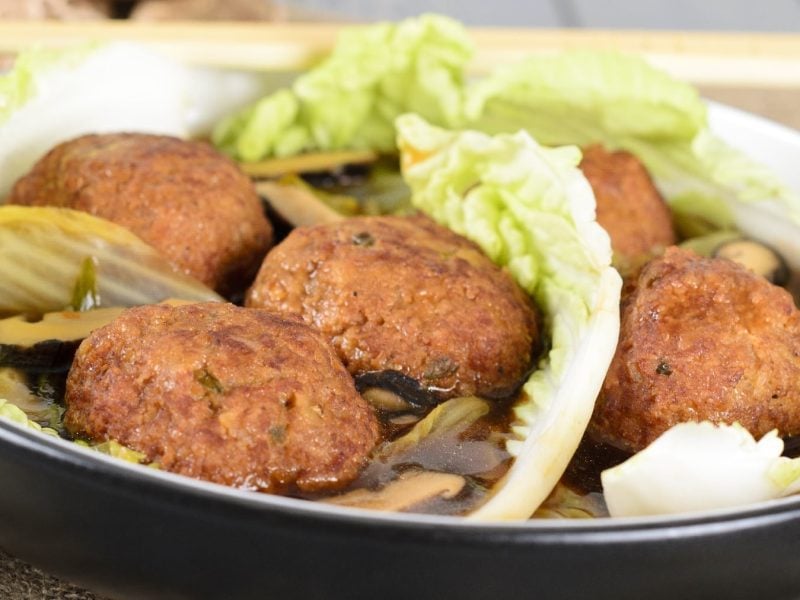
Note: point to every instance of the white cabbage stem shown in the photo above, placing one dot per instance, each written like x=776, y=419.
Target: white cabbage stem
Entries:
x=700, y=466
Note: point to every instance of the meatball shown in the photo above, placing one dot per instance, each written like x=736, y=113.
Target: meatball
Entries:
x=185, y=199
x=236, y=396
x=629, y=207
x=701, y=339
x=407, y=295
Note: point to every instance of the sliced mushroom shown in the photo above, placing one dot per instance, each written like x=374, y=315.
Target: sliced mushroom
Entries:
x=386, y=400
x=410, y=489
x=757, y=257
x=296, y=204
x=405, y=389
x=403, y=421
x=50, y=343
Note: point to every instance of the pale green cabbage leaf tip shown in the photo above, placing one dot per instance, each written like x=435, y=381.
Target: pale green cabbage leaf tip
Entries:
x=532, y=212
x=16, y=415
x=622, y=102
x=13, y=413
x=352, y=98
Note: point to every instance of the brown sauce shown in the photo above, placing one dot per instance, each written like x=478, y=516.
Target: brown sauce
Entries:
x=476, y=453
x=590, y=459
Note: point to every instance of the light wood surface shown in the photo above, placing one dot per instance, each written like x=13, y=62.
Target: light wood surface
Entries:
x=730, y=59
x=779, y=104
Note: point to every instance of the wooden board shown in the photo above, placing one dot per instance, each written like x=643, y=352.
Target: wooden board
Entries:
x=727, y=59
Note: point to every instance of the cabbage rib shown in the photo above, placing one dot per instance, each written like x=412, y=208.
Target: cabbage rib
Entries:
x=42, y=250
x=533, y=212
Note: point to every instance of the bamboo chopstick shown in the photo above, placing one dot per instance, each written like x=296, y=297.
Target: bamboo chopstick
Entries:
x=765, y=60
x=248, y=46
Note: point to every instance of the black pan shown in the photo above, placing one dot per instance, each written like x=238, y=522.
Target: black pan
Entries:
x=131, y=532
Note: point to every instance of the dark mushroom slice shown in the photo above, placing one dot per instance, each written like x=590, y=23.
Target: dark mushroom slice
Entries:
x=756, y=256
x=346, y=177
x=393, y=391
x=49, y=344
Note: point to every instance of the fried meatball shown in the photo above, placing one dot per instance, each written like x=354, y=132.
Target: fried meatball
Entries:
x=185, y=199
x=629, y=207
x=407, y=295
x=236, y=396
x=701, y=339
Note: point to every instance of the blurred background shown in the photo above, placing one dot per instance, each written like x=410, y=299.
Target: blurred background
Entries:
x=742, y=15
x=778, y=102
x=721, y=15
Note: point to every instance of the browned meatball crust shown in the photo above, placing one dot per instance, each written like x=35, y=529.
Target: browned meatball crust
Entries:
x=231, y=395
x=629, y=206
x=701, y=339
x=185, y=199
x=408, y=295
